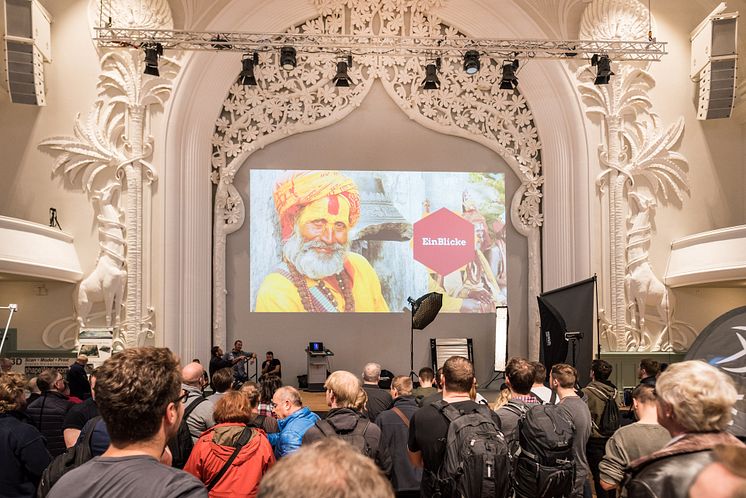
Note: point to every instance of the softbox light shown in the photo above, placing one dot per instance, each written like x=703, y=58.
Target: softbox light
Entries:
x=425, y=309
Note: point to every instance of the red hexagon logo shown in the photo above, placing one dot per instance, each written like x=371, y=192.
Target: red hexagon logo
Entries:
x=444, y=241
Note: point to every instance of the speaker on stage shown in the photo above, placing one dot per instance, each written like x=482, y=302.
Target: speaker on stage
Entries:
x=26, y=46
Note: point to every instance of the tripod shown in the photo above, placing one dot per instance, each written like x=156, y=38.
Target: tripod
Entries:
x=498, y=374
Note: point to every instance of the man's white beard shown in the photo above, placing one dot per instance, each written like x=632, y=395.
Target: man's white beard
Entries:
x=315, y=265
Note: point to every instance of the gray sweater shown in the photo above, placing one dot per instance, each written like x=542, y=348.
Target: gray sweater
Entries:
x=629, y=443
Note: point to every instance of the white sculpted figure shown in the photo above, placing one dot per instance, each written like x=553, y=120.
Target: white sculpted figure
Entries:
x=642, y=286
x=107, y=281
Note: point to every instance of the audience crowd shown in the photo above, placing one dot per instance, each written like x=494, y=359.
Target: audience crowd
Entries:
x=142, y=425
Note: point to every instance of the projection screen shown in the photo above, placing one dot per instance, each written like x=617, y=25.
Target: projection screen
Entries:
x=364, y=241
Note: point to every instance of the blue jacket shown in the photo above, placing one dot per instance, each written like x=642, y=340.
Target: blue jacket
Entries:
x=291, y=432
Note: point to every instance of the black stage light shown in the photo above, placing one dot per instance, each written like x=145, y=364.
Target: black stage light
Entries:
x=287, y=58
x=153, y=51
x=471, y=62
x=509, y=80
x=220, y=42
x=603, y=69
x=342, y=78
x=246, y=76
x=431, y=81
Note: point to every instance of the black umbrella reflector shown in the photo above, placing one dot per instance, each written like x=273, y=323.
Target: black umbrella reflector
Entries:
x=425, y=309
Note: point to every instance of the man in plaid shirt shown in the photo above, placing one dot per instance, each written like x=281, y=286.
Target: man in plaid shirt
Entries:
x=519, y=376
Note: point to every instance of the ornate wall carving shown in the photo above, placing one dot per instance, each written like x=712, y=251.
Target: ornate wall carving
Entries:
x=288, y=102
x=109, y=151
x=639, y=168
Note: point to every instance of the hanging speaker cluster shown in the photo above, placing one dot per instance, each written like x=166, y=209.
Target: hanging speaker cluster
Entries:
x=714, y=64
x=26, y=47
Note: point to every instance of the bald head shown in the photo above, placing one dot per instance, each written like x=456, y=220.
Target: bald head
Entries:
x=372, y=373
x=192, y=374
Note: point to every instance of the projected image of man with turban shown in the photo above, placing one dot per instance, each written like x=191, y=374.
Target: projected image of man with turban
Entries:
x=317, y=209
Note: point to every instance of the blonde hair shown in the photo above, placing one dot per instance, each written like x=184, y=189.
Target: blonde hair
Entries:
x=361, y=400
x=502, y=398
x=403, y=384
x=346, y=473
x=700, y=395
x=12, y=385
x=346, y=388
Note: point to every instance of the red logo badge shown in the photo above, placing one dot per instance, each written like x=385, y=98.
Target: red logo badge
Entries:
x=444, y=241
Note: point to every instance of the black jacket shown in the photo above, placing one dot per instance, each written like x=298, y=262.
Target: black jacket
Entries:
x=378, y=400
x=23, y=456
x=670, y=471
x=78, y=381
x=47, y=413
x=343, y=421
x=394, y=436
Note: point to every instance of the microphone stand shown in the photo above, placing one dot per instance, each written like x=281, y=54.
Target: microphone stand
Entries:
x=12, y=309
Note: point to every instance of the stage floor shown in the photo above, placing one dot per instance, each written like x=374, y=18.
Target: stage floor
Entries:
x=317, y=401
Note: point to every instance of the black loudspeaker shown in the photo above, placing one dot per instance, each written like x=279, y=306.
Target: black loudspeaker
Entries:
x=26, y=46
x=714, y=64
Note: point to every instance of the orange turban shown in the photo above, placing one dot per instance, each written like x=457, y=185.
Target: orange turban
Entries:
x=301, y=188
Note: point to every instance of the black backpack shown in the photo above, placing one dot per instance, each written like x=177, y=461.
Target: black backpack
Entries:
x=609, y=421
x=544, y=466
x=355, y=437
x=72, y=458
x=181, y=444
x=476, y=462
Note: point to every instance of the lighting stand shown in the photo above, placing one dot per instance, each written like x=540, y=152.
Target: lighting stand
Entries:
x=414, y=376
x=12, y=308
x=497, y=375
x=573, y=338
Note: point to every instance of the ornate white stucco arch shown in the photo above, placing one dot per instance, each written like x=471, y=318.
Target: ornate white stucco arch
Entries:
x=198, y=98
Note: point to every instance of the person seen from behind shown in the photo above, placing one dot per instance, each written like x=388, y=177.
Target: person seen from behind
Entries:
x=695, y=403
x=139, y=396
x=231, y=457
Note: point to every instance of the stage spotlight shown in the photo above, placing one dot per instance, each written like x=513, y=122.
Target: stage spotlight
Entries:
x=471, y=62
x=509, y=80
x=287, y=58
x=431, y=81
x=603, y=69
x=246, y=76
x=153, y=51
x=342, y=78
x=220, y=42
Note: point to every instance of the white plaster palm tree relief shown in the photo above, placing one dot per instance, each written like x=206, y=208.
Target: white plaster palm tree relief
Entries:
x=639, y=168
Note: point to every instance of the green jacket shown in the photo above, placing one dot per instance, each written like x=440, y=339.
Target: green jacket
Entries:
x=597, y=393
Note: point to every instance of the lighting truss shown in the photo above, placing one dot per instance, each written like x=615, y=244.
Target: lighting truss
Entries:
x=394, y=46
